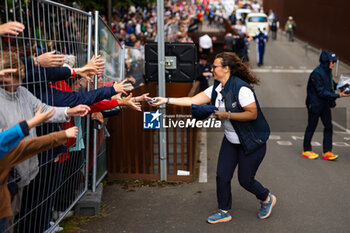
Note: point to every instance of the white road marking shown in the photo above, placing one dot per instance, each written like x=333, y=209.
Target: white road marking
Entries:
x=274, y=137
x=284, y=143
x=291, y=71
x=341, y=144
x=347, y=131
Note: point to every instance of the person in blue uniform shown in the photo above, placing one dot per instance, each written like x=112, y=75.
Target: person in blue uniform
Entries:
x=261, y=39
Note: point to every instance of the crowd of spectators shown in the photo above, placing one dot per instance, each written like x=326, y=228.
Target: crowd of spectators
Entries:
x=43, y=97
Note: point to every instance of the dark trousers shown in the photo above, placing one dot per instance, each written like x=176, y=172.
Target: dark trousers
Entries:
x=230, y=156
x=72, y=181
x=326, y=118
x=38, y=199
x=274, y=35
x=3, y=225
x=291, y=35
x=261, y=51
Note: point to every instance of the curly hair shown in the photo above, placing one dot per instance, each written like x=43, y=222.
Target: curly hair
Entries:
x=237, y=67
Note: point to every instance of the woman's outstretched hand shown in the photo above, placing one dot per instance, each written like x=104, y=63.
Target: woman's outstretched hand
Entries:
x=158, y=101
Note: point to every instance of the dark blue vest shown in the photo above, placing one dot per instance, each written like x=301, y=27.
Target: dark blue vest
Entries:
x=252, y=134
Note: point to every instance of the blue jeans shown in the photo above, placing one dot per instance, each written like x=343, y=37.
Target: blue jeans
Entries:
x=230, y=156
x=3, y=225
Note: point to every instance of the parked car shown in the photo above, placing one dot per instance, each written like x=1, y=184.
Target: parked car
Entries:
x=254, y=21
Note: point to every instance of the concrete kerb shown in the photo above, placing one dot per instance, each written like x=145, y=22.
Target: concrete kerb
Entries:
x=90, y=203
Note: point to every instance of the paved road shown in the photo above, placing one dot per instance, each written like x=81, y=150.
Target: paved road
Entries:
x=313, y=196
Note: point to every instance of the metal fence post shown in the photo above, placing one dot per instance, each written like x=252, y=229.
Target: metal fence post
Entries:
x=94, y=171
x=88, y=116
x=122, y=62
x=161, y=87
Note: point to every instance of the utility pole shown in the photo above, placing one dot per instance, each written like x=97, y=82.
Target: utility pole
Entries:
x=161, y=87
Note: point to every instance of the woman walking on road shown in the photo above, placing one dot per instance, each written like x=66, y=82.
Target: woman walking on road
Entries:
x=246, y=132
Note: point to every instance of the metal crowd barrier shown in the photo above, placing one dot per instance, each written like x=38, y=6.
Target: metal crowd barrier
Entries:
x=120, y=62
x=62, y=178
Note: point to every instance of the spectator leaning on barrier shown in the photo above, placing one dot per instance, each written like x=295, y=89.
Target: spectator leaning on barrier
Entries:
x=47, y=161
x=246, y=132
x=19, y=104
x=25, y=150
x=319, y=101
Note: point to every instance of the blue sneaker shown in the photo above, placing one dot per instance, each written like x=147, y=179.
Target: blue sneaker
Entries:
x=219, y=216
x=266, y=208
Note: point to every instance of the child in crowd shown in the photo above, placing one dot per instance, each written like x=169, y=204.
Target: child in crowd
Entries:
x=13, y=151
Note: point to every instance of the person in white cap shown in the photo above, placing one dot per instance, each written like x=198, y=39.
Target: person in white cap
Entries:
x=290, y=27
x=205, y=44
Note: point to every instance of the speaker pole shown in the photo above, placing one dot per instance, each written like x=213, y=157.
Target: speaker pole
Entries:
x=161, y=86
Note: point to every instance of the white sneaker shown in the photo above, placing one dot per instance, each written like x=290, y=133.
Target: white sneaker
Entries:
x=69, y=214
x=56, y=229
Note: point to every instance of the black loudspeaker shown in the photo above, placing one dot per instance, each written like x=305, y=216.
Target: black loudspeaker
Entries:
x=180, y=62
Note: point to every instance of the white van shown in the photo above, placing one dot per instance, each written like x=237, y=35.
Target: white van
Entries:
x=254, y=21
x=241, y=11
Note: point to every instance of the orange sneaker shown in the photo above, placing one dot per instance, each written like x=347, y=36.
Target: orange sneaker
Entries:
x=329, y=156
x=309, y=155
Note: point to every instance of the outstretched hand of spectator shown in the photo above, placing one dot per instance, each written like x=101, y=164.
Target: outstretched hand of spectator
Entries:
x=127, y=102
x=131, y=79
x=97, y=116
x=79, y=110
x=50, y=59
x=87, y=72
x=72, y=132
x=117, y=96
x=12, y=28
x=143, y=97
x=97, y=62
x=40, y=117
x=4, y=74
x=121, y=86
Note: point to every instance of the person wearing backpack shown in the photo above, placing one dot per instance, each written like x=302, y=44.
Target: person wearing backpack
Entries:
x=246, y=132
x=289, y=27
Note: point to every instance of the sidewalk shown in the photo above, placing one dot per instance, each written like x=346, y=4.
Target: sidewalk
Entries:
x=158, y=207
x=177, y=208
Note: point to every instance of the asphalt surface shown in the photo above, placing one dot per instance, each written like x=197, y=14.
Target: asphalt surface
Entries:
x=312, y=195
